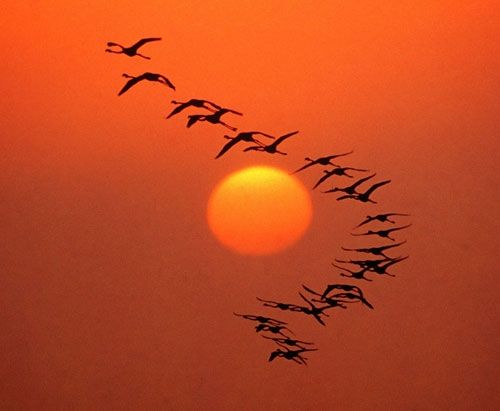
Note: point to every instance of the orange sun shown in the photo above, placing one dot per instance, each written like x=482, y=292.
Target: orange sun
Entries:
x=259, y=210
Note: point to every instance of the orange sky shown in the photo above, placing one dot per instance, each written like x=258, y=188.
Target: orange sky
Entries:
x=114, y=293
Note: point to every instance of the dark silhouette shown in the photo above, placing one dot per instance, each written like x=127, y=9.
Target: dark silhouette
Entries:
x=382, y=233
x=380, y=217
x=365, y=197
x=350, y=189
x=213, y=118
x=132, y=50
x=244, y=136
x=358, y=275
x=145, y=76
x=349, y=289
x=289, y=341
x=261, y=319
x=275, y=304
x=382, y=269
x=352, y=296
x=375, y=250
x=324, y=161
x=273, y=147
x=368, y=264
x=293, y=355
x=337, y=171
x=182, y=105
x=274, y=329
x=331, y=302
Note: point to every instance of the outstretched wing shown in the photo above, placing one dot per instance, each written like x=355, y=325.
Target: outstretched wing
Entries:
x=193, y=119
x=167, y=82
x=375, y=186
x=399, y=228
x=141, y=42
x=327, y=175
x=311, y=163
x=227, y=146
x=178, y=109
x=130, y=83
x=284, y=137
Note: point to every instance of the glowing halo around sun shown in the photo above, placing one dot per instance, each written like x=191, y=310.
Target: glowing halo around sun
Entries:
x=259, y=210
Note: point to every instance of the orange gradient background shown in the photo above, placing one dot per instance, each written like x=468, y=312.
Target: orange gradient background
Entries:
x=115, y=294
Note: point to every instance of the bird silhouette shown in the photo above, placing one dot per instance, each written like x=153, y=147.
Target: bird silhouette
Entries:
x=276, y=304
x=288, y=341
x=273, y=147
x=352, y=296
x=132, y=50
x=380, y=217
x=350, y=189
x=261, y=319
x=358, y=275
x=145, y=76
x=194, y=102
x=332, y=302
x=382, y=269
x=368, y=264
x=383, y=233
x=213, y=118
x=293, y=355
x=324, y=161
x=312, y=310
x=243, y=136
x=274, y=329
x=348, y=288
x=365, y=197
x=374, y=250
x=337, y=171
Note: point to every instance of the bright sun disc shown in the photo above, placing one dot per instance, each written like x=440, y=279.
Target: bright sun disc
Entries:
x=259, y=210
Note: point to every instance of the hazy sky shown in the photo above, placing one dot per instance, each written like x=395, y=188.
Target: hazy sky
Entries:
x=115, y=295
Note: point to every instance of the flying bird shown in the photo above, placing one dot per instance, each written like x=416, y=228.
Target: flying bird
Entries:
x=145, y=76
x=274, y=329
x=374, y=250
x=324, y=161
x=337, y=171
x=132, y=50
x=330, y=301
x=244, y=136
x=293, y=355
x=213, y=118
x=358, y=275
x=380, y=217
x=288, y=341
x=365, y=197
x=383, y=233
x=273, y=147
x=261, y=319
x=194, y=102
x=352, y=188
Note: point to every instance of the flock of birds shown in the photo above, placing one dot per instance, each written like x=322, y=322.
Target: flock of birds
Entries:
x=314, y=303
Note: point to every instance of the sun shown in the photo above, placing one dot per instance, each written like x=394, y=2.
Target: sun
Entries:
x=259, y=210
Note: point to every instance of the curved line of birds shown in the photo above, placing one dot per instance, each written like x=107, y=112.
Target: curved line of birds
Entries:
x=335, y=295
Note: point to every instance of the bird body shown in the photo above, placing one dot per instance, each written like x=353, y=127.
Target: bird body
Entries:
x=214, y=118
x=383, y=233
x=365, y=197
x=273, y=147
x=208, y=105
x=381, y=217
x=324, y=161
x=247, y=136
x=337, y=171
x=159, y=78
x=132, y=50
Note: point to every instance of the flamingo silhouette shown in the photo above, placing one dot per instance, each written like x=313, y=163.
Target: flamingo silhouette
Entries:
x=365, y=197
x=244, y=136
x=293, y=355
x=383, y=233
x=374, y=250
x=288, y=341
x=337, y=171
x=358, y=275
x=381, y=217
x=352, y=188
x=274, y=329
x=261, y=319
x=273, y=147
x=194, y=102
x=132, y=50
x=145, y=76
x=213, y=118
x=324, y=161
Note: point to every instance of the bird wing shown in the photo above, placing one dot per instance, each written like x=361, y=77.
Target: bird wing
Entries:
x=391, y=214
x=258, y=148
x=390, y=246
x=227, y=146
x=311, y=163
x=361, y=181
x=274, y=354
x=178, y=109
x=192, y=119
x=368, y=219
x=310, y=290
x=398, y=228
x=130, y=83
x=141, y=42
x=167, y=82
x=375, y=186
x=284, y=137
x=327, y=175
